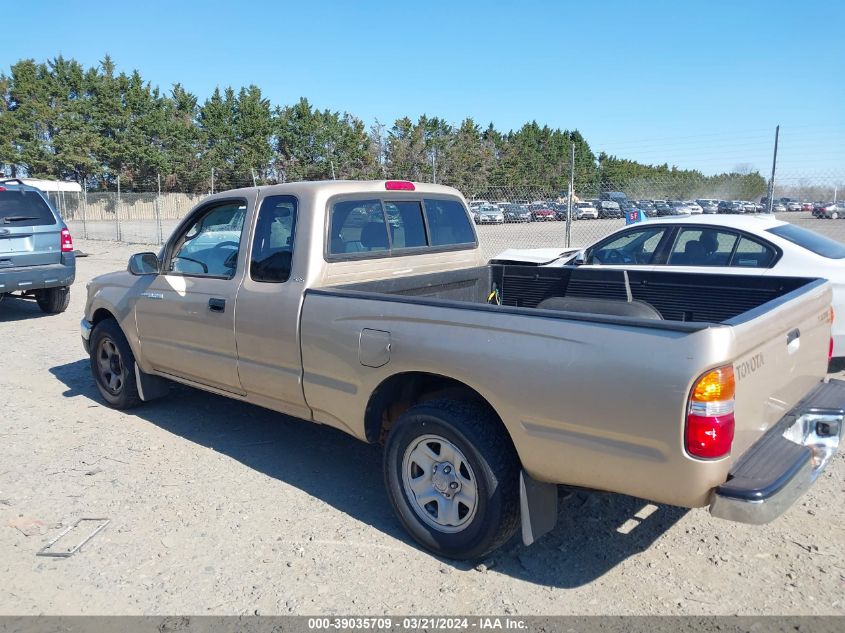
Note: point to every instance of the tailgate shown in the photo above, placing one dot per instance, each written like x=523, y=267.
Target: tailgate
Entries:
x=781, y=354
x=30, y=246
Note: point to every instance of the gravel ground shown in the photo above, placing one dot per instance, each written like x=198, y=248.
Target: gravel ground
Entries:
x=224, y=508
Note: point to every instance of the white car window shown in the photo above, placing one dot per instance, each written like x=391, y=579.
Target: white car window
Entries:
x=632, y=247
x=702, y=247
x=753, y=254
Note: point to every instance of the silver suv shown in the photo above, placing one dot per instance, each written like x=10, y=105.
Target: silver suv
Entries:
x=36, y=249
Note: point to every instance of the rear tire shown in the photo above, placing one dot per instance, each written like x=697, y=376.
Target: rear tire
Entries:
x=113, y=366
x=53, y=300
x=452, y=476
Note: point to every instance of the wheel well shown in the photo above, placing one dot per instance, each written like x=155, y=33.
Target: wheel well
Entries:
x=400, y=392
x=101, y=314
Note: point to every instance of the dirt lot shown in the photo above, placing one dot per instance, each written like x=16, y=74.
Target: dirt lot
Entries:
x=220, y=507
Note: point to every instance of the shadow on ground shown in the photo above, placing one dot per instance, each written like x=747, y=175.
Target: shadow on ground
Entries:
x=18, y=309
x=346, y=474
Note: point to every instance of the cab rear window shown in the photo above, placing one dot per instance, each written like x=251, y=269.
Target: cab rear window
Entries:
x=378, y=227
x=24, y=208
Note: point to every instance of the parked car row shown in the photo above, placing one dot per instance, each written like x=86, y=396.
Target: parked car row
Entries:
x=616, y=205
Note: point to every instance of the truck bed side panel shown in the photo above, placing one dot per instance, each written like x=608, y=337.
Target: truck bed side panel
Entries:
x=588, y=404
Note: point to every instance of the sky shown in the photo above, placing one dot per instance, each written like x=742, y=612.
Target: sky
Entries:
x=698, y=84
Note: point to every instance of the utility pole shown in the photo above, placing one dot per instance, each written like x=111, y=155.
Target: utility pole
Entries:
x=117, y=210
x=434, y=166
x=158, y=211
x=571, y=193
x=212, y=181
x=770, y=201
x=84, y=207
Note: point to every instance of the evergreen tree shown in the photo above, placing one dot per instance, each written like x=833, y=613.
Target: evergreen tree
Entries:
x=218, y=141
x=319, y=145
x=253, y=123
x=181, y=146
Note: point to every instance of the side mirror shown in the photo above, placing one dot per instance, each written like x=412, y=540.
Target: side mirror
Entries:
x=579, y=259
x=143, y=264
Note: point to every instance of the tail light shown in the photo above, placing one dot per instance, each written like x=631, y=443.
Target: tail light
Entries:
x=710, y=415
x=830, y=347
x=399, y=185
x=67, y=241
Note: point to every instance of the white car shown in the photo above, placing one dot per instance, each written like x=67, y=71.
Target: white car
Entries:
x=584, y=210
x=733, y=244
x=694, y=207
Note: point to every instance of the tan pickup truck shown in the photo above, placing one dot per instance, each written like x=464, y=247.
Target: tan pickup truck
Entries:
x=365, y=306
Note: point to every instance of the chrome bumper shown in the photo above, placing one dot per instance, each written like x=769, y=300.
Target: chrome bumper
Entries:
x=85, y=327
x=786, y=461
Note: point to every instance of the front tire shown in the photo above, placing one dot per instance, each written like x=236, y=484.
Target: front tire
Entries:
x=452, y=476
x=113, y=366
x=53, y=300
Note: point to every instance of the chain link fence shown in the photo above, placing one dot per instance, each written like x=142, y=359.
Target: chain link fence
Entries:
x=507, y=217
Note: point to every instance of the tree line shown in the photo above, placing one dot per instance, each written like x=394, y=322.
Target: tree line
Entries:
x=60, y=120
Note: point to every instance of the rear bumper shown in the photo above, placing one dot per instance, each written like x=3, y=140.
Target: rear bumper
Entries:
x=38, y=277
x=785, y=462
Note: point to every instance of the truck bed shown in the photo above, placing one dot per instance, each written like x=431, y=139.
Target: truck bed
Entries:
x=692, y=299
x=588, y=397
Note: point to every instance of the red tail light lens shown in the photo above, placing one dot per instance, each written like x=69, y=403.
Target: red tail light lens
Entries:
x=711, y=424
x=830, y=347
x=67, y=241
x=710, y=436
x=399, y=185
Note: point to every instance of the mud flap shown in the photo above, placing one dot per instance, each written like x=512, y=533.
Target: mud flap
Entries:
x=538, y=507
x=150, y=387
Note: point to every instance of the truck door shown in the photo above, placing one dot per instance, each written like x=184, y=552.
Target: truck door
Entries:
x=186, y=316
x=268, y=305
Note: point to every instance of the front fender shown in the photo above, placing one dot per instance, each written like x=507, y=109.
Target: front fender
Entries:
x=114, y=296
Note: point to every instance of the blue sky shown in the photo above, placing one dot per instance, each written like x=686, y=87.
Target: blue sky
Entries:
x=697, y=84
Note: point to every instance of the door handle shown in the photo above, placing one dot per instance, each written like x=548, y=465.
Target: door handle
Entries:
x=217, y=305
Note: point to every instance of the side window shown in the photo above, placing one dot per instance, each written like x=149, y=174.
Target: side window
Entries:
x=357, y=226
x=272, y=245
x=632, y=247
x=753, y=254
x=209, y=246
x=702, y=247
x=448, y=223
x=406, y=223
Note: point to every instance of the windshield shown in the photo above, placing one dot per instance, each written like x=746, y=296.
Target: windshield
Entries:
x=812, y=241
